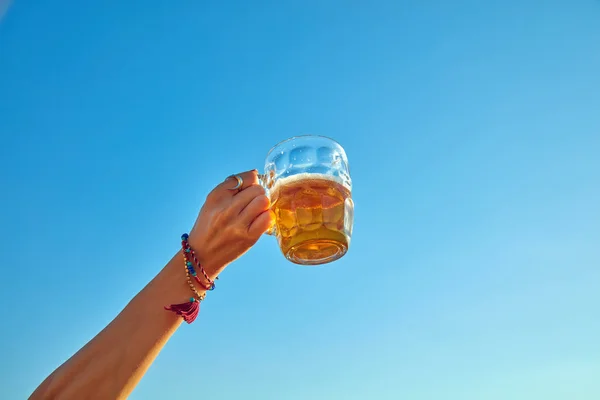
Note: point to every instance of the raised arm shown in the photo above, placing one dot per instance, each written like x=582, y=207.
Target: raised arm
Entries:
x=113, y=362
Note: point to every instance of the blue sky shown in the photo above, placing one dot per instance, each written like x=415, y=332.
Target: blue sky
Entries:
x=473, y=133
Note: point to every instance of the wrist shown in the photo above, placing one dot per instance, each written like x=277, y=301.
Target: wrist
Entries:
x=212, y=269
x=209, y=261
x=195, y=275
x=200, y=271
x=176, y=279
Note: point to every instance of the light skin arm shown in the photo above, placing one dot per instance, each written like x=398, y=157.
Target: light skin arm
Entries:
x=113, y=362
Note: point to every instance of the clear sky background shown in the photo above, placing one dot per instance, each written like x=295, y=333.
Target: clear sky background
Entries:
x=473, y=133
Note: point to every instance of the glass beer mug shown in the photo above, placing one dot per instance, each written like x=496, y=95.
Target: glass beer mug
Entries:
x=308, y=181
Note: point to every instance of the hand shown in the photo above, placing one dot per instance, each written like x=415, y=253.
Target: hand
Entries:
x=230, y=222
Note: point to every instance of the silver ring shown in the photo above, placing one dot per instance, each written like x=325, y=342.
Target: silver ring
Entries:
x=240, y=182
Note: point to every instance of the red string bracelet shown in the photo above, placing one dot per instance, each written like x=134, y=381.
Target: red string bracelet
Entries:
x=189, y=310
x=189, y=252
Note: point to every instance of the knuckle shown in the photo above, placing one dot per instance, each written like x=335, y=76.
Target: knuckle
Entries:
x=262, y=201
x=257, y=190
x=209, y=198
x=240, y=234
x=248, y=195
x=221, y=220
x=213, y=197
x=252, y=177
x=228, y=213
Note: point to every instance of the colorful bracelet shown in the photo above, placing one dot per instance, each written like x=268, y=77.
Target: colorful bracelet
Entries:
x=189, y=310
x=187, y=250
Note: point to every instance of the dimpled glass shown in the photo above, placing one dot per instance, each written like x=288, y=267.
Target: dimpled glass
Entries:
x=308, y=180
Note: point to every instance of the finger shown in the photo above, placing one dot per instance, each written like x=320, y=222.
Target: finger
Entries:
x=242, y=199
x=249, y=178
x=261, y=224
x=225, y=188
x=258, y=204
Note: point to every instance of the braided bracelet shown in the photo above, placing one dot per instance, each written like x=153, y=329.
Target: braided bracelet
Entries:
x=187, y=250
x=189, y=310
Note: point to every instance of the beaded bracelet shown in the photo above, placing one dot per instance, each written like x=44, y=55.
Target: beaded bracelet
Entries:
x=187, y=250
x=189, y=310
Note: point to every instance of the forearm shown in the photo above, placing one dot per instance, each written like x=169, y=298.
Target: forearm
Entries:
x=111, y=364
x=114, y=361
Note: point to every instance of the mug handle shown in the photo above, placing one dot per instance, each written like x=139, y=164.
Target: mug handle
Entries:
x=262, y=180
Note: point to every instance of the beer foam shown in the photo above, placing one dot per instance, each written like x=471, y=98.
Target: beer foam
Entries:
x=307, y=176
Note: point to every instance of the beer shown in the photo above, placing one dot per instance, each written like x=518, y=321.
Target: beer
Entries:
x=314, y=215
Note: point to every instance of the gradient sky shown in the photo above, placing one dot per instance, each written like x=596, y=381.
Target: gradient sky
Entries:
x=473, y=133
